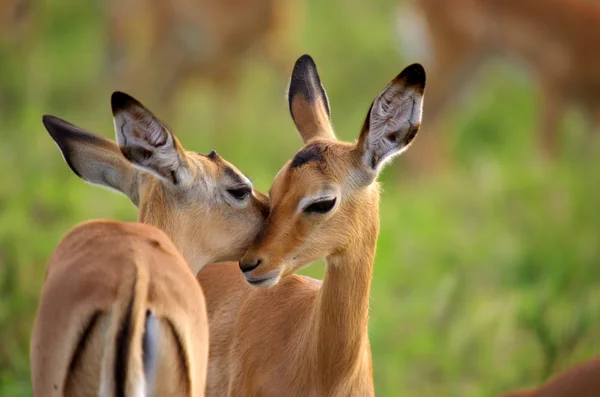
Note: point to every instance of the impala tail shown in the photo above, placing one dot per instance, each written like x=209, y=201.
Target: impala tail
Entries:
x=129, y=364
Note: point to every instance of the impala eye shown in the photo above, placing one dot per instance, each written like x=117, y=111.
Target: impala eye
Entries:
x=239, y=193
x=320, y=207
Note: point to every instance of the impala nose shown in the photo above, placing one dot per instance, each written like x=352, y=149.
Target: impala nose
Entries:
x=247, y=265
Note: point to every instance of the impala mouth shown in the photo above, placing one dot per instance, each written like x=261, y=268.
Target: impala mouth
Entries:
x=264, y=280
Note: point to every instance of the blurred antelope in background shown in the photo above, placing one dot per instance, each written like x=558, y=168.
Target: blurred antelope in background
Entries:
x=165, y=44
x=582, y=380
x=15, y=20
x=304, y=337
x=17, y=34
x=206, y=207
x=555, y=39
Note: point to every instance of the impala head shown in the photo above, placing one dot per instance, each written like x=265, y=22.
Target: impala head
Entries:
x=325, y=200
x=204, y=203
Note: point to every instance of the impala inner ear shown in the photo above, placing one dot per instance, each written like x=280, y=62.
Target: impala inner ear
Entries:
x=146, y=142
x=393, y=119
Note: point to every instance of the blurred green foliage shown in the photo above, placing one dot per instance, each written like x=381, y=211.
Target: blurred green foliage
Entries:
x=486, y=276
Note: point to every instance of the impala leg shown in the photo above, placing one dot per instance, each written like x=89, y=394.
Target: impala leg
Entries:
x=284, y=18
x=452, y=67
x=551, y=107
x=226, y=103
x=590, y=140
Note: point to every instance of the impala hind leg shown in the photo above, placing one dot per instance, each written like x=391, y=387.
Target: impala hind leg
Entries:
x=449, y=73
x=589, y=144
x=276, y=44
x=226, y=103
x=552, y=105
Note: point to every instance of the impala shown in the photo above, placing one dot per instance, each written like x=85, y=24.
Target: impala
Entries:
x=552, y=38
x=171, y=43
x=121, y=314
x=303, y=337
x=204, y=204
x=582, y=380
x=15, y=21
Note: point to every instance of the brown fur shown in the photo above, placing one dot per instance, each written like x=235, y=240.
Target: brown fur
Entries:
x=170, y=43
x=555, y=39
x=582, y=380
x=303, y=337
x=95, y=271
x=193, y=209
x=196, y=213
x=16, y=20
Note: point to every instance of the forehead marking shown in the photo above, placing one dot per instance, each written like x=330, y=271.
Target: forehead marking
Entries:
x=310, y=153
x=234, y=176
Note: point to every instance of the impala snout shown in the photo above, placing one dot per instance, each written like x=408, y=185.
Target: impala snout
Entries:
x=258, y=272
x=249, y=265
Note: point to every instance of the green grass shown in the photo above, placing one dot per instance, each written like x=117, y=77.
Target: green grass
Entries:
x=486, y=275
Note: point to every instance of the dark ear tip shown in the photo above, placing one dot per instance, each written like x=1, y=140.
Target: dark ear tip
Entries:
x=413, y=75
x=305, y=60
x=305, y=69
x=54, y=124
x=121, y=101
x=303, y=65
x=49, y=120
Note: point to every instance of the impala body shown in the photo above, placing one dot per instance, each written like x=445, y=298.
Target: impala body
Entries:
x=15, y=20
x=172, y=42
x=293, y=335
x=554, y=39
x=206, y=207
x=121, y=314
x=582, y=380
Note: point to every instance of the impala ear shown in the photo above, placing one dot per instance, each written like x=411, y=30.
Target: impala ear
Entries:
x=308, y=101
x=93, y=158
x=393, y=120
x=146, y=142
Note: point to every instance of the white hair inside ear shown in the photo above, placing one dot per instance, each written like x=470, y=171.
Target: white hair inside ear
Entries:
x=394, y=118
x=146, y=142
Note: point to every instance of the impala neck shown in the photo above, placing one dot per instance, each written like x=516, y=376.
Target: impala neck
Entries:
x=343, y=305
x=156, y=209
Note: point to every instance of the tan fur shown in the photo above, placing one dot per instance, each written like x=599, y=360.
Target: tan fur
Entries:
x=553, y=39
x=171, y=43
x=303, y=337
x=202, y=222
x=92, y=271
x=582, y=380
x=16, y=20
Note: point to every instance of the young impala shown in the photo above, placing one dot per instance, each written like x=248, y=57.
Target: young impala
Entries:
x=302, y=337
x=552, y=38
x=204, y=204
x=121, y=314
x=582, y=380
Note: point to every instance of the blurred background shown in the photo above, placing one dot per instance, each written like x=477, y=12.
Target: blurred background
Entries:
x=488, y=266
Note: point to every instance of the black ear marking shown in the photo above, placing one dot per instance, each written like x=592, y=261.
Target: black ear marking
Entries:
x=174, y=179
x=410, y=134
x=305, y=81
x=312, y=152
x=136, y=154
x=64, y=133
x=121, y=101
x=413, y=76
